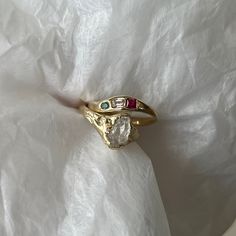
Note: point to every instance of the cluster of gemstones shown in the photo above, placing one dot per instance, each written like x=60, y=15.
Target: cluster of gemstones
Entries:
x=130, y=103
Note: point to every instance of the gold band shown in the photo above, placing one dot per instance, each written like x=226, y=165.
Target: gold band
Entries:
x=116, y=104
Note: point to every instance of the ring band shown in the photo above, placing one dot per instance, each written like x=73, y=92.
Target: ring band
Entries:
x=116, y=104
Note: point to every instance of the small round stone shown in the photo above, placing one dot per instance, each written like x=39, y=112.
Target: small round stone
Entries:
x=105, y=105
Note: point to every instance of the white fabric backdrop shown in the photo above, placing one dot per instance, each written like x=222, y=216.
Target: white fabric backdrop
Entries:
x=57, y=178
x=231, y=231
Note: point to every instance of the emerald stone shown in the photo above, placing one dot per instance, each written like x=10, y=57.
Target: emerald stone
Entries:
x=105, y=105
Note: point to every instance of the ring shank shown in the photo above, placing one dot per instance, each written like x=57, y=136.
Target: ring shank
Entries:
x=136, y=120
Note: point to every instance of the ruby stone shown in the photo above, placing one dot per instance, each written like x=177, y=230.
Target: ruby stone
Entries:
x=131, y=103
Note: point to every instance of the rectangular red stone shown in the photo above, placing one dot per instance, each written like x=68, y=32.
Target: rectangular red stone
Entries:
x=131, y=103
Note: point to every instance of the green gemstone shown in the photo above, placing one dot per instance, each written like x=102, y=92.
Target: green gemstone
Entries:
x=105, y=105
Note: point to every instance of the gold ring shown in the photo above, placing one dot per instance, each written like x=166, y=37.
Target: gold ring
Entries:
x=114, y=121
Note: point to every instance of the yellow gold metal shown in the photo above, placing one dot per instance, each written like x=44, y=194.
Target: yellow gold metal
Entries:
x=104, y=124
x=114, y=118
x=140, y=107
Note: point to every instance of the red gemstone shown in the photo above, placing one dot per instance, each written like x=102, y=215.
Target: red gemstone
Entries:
x=131, y=103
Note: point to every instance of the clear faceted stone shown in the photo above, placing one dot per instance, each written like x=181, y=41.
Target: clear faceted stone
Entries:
x=118, y=102
x=119, y=134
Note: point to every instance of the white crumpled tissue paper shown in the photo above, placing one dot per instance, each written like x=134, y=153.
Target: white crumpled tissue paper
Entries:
x=57, y=178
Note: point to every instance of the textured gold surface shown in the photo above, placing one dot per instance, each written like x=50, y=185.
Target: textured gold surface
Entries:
x=103, y=123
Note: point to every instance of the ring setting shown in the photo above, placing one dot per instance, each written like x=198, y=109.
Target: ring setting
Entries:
x=113, y=120
x=119, y=102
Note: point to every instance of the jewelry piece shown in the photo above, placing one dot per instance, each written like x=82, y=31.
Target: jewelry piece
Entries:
x=116, y=130
x=116, y=104
x=113, y=121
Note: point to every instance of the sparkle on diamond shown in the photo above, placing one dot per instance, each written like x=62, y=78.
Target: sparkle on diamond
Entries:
x=119, y=134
